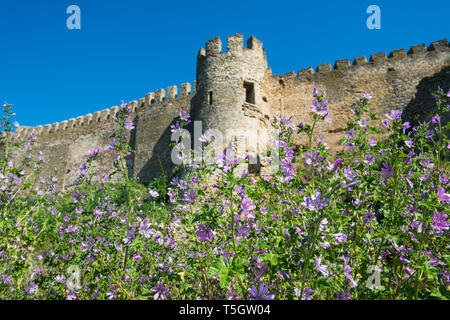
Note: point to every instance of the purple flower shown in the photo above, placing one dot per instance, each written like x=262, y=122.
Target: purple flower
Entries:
x=153, y=193
x=314, y=202
x=307, y=293
x=348, y=173
x=351, y=184
x=185, y=117
x=145, y=229
x=394, y=115
x=435, y=261
x=97, y=213
x=320, y=108
x=32, y=288
x=409, y=143
x=175, y=127
x=205, y=137
x=346, y=295
x=442, y=196
x=313, y=159
x=321, y=267
x=247, y=206
x=387, y=170
x=160, y=291
x=427, y=163
x=203, y=233
x=315, y=92
x=340, y=237
x=369, y=159
x=367, y=95
x=261, y=294
x=225, y=160
x=350, y=133
x=369, y=216
x=129, y=125
x=439, y=222
x=405, y=126
x=112, y=144
x=347, y=271
x=363, y=122
x=71, y=296
x=404, y=259
x=435, y=119
x=136, y=257
x=335, y=165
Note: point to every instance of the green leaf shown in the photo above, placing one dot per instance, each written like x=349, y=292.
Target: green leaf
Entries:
x=220, y=268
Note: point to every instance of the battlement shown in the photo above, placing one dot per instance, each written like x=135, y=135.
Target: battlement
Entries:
x=235, y=45
x=158, y=97
x=375, y=60
x=236, y=90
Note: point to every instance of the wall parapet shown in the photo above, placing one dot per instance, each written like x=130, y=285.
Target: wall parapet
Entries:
x=375, y=59
x=235, y=45
x=171, y=94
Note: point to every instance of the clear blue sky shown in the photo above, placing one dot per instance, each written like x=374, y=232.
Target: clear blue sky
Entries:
x=127, y=48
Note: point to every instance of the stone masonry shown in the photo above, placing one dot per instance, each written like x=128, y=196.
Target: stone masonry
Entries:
x=236, y=94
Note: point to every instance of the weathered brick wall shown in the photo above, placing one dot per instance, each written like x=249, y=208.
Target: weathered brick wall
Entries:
x=66, y=145
x=400, y=81
x=152, y=136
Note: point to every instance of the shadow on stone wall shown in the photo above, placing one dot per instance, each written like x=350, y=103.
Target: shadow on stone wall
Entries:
x=423, y=104
x=162, y=151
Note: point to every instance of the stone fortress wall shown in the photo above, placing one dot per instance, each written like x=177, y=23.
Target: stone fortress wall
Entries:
x=235, y=89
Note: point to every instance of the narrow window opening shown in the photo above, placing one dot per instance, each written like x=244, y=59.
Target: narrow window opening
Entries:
x=210, y=97
x=249, y=92
x=254, y=167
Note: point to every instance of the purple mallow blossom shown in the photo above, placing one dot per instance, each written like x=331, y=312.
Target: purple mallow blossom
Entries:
x=153, y=193
x=409, y=143
x=261, y=294
x=203, y=233
x=369, y=159
x=394, y=115
x=435, y=119
x=185, y=117
x=129, y=125
x=442, y=196
x=321, y=267
x=161, y=291
x=314, y=202
x=320, y=108
x=439, y=221
x=247, y=206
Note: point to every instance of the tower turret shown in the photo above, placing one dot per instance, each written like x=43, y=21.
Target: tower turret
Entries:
x=231, y=97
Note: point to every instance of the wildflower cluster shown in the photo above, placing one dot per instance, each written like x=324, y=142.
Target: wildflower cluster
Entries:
x=370, y=222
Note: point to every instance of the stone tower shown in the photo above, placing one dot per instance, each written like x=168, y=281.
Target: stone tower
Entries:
x=231, y=99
